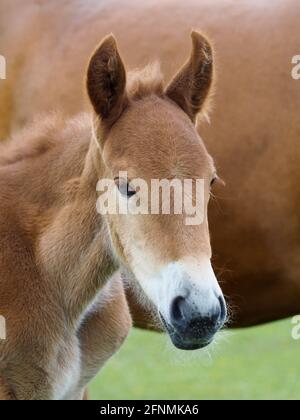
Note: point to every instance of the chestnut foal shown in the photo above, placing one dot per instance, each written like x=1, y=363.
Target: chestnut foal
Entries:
x=65, y=309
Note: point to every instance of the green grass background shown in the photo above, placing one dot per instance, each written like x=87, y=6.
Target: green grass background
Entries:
x=258, y=363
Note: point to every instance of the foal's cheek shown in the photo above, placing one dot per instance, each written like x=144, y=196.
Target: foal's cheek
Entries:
x=124, y=237
x=117, y=244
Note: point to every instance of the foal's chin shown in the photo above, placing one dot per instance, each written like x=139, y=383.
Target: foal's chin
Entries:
x=180, y=344
x=189, y=344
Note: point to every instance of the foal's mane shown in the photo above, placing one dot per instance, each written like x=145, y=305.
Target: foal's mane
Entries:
x=44, y=133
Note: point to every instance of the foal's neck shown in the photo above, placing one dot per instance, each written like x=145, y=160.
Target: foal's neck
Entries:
x=76, y=248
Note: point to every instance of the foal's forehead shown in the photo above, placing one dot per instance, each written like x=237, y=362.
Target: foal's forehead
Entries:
x=155, y=134
x=161, y=119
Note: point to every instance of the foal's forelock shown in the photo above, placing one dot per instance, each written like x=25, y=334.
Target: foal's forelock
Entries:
x=146, y=81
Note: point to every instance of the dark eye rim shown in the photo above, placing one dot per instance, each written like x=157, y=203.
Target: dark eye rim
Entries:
x=213, y=181
x=124, y=188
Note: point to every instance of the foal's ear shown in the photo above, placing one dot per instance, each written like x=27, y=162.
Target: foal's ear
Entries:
x=191, y=86
x=106, y=81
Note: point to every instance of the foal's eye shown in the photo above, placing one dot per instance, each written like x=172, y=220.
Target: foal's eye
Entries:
x=124, y=188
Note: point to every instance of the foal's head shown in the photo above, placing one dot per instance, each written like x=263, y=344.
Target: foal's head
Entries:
x=146, y=133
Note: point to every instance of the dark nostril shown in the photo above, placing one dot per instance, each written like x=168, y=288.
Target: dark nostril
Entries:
x=177, y=312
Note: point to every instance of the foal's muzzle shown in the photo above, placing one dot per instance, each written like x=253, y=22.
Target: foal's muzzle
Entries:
x=191, y=330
